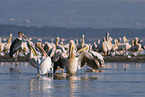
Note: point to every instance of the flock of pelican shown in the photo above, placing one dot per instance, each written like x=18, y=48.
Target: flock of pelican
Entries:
x=118, y=47
x=70, y=56
x=55, y=56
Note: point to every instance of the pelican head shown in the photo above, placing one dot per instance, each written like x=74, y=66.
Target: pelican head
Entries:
x=76, y=41
x=38, y=44
x=10, y=35
x=104, y=39
x=119, y=40
x=110, y=38
x=57, y=40
x=136, y=39
x=9, y=41
x=41, y=50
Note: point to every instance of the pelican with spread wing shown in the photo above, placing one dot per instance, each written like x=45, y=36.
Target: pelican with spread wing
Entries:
x=42, y=63
x=71, y=61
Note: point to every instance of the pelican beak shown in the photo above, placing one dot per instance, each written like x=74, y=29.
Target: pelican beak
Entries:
x=34, y=52
x=30, y=39
x=126, y=39
x=41, y=49
x=24, y=36
x=71, y=50
x=85, y=48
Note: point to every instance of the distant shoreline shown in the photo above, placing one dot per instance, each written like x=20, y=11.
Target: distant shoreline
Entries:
x=46, y=33
x=64, y=32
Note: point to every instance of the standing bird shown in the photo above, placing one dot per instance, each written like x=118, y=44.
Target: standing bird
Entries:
x=43, y=63
x=8, y=44
x=16, y=44
x=72, y=62
x=82, y=44
x=58, y=46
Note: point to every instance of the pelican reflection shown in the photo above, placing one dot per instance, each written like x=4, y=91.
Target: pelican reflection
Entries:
x=74, y=86
x=40, y=85
x=75, y=78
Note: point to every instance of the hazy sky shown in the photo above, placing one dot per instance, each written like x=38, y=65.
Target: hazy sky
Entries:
x=74, y=13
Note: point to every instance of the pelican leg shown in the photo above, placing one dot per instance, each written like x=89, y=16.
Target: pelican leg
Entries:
x=38, y=75
x=47, y=75
x=74, y=73
x=93, y=70
x=105, y=53
x=62, y=71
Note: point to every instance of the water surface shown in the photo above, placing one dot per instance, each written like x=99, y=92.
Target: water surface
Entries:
x=115, y=79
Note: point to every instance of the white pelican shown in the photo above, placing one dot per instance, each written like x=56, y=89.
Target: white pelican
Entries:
x=8, y=44
x=107, y=36
x=136, y=46
x=58, y=60
x=115, y=46
x=55, y=53
x=107, y=45
x=42, y=63
x=4, y=47
x=54, y=47
x=47, y=46
x=104, y=46
x=49, y=49
x=72, y=62
x=58, y=46
x=94, y=46
x=82, y=44
x=123, y=46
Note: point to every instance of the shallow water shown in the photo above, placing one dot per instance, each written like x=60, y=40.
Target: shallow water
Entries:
x=114, y=79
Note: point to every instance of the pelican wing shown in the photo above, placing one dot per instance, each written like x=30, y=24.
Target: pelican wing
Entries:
x=98, y=56
x=33, y=61
x=84, y=55
x=44, y=66
x=46, y=47
x=59, y=60
x=56, y=64
x=61, y=48
x=51, y=52
x=94, y=64
x=89, y=58
x=15, y=46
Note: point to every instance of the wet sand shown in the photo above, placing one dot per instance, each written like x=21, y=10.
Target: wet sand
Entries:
x=7, y=58
x=117, y=58
x=121, y=58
